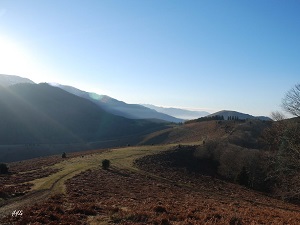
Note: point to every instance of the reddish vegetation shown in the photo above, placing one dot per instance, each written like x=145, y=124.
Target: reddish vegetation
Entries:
x=15, y=183
x=49, y=212
x=171, y=197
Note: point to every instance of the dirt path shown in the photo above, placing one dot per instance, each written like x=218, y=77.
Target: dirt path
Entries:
x=7, y=207
x=47, y=186
x=54, y=184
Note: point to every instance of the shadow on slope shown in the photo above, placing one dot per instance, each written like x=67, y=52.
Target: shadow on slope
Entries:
x=40, y=116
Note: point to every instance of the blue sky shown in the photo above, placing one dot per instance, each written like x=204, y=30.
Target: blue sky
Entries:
x=212, y=55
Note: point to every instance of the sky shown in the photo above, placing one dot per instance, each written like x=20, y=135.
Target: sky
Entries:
x=195, y=54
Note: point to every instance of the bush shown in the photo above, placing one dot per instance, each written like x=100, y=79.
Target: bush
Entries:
x=64, y=155
x=105, y=164
x=160, y=209
x=3, y=168
x=237, y=164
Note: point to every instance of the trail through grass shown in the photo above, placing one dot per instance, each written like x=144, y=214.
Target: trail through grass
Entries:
x=121, y=157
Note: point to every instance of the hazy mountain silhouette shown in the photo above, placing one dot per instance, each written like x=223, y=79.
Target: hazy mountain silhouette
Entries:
x=242, y=116
x=179, y=113
x=8, y=80
x=40, y=113
x=114, y=106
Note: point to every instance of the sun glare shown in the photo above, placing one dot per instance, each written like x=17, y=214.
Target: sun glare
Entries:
x=13, y=59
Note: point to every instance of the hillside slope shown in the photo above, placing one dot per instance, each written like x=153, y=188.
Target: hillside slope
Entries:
x=34, y=114
x=237, y=132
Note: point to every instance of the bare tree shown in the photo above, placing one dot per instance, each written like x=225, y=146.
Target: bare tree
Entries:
x=277, y=116
x=282, y=138
x=291, y=101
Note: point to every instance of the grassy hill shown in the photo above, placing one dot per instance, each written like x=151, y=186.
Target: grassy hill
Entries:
x=197, y=132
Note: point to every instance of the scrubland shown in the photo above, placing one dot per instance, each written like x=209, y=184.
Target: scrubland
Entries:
x=193, y=177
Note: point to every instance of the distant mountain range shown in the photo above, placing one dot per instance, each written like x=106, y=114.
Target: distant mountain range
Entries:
x=227, y=113
x=131, y=111
x=111, y=105
x=179, y=113
x=44, y=115
x=116, y=107
x=40, y=113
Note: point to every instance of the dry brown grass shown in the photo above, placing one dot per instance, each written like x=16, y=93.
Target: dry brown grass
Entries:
x=193, y=133
x=127, y=196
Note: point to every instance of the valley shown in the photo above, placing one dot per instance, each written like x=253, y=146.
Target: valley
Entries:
x=149, y=112
x=224, y=168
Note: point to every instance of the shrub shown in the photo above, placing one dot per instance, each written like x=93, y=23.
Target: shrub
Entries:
x=236, y=164
x=105, y=164
x=3, y=168
x=160, y=209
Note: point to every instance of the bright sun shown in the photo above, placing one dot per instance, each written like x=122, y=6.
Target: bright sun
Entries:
x=13, y=59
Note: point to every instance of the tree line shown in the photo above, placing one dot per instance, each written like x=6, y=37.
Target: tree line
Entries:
x=216, y=117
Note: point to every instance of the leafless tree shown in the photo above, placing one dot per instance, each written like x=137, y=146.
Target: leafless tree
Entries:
x=277, y=116
x=282, y=139
x=291, y=101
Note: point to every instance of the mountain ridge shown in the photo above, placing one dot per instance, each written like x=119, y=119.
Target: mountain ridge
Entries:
x=120, y=108
x=8, y=80
x=243, y=116
x=39, y=114
x=178, y=112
